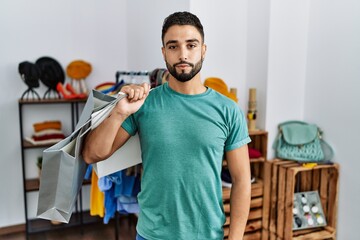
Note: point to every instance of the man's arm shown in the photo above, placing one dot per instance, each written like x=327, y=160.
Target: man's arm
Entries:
x=239, y=167
x=104, y=140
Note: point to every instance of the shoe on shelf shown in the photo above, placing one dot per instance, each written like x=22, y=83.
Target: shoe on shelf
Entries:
x=226, y=178
x=70, y=88
x=64, y=92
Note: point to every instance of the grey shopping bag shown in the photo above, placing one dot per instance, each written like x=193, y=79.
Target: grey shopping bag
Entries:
x=63, y=167
x=62, y=174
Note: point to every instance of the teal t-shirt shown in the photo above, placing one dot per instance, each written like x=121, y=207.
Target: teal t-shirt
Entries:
x=183, y=139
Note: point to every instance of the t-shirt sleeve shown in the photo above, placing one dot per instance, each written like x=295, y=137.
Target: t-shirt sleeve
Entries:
x=238, y=131
x=130, y=125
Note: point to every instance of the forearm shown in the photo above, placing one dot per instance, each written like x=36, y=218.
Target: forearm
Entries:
x=99, y=143
x=239, y=208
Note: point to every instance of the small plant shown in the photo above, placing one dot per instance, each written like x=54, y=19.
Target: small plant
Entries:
x=39, y=162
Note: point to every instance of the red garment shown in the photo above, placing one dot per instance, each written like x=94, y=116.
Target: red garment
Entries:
x=254, y=153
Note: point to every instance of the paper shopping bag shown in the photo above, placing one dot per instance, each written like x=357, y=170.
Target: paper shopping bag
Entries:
x=127, y=156
x=62, y=175
x=63, y=168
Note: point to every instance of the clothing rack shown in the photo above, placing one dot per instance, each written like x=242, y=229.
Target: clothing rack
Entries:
x=132, y=76
x=155, y=77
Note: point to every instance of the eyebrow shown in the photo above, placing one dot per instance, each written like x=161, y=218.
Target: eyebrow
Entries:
x=187, y=41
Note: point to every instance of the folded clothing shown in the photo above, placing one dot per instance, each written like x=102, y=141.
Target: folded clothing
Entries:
x=254, y=153
x=48, y=136
x=48, y=132
x=42, y=142
x=47, y=125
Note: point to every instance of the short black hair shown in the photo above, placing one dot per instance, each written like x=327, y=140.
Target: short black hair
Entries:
x=182, y=18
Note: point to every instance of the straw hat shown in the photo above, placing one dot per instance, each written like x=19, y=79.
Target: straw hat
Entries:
x=220, y=86
x=78, y=69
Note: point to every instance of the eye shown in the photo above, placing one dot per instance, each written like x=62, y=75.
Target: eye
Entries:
x=192, y=46
x=171, y=47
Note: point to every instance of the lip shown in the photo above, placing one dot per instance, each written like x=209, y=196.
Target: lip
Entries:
x=183, y=65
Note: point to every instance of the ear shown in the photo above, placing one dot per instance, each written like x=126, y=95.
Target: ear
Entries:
x=163, y=52
x=203, y=51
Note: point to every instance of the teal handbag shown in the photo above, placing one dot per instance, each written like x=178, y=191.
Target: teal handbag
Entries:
x=302, y=142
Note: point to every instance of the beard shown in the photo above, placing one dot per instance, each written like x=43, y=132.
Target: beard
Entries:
x=184, y=77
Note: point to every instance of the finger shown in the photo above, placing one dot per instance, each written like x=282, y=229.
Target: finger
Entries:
x=131, y=93
x=137, y=94
x=146, y=88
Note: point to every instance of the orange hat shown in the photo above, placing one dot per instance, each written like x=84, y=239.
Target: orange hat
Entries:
x=78, y=69
x=220, y=86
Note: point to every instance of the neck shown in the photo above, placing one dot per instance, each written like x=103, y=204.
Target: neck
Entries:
x=191, y=87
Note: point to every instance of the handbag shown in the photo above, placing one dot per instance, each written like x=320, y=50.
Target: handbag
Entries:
x=63, y=168
x=302, y=142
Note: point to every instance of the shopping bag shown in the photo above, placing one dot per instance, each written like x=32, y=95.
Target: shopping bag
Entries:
x=63, y=167
x=61, y=178
x=127, y=156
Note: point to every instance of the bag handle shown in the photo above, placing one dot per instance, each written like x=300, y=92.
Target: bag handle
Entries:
x=292, y=121
x=327, y=149
x=108, y=107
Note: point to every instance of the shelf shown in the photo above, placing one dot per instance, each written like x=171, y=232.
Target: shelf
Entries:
x=33, y=184
x=252, y=160
x=41, y=225
x=27, y=145
x=257, y=132
x=256, y=190
x=51, y=101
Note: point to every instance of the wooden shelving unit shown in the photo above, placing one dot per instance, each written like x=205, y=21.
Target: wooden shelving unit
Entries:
x=79, y=217
x=253, y=230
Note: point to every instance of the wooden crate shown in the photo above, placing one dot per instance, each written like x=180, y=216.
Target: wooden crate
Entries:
x=254, y=223
x=258, y=142
x=253, y=227
x=284, y=178
x=271, y=188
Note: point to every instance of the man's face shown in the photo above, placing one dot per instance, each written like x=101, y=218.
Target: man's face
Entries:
x=183, y=52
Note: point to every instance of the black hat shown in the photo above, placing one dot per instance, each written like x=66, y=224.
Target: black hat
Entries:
x=30, y=73
x=51, y=72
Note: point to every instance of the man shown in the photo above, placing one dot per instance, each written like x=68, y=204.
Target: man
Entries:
x=184, y=129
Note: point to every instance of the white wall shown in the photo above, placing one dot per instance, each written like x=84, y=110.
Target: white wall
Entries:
x=65, y=30
x=257, y=35
x=332, y=96
x=225, y=27
x=144, y=31
x=286, y=64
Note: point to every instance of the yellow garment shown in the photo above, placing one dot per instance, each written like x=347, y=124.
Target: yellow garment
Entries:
x=96, y=197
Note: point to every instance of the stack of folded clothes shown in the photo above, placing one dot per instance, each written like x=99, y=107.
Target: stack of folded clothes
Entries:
x=47, y=132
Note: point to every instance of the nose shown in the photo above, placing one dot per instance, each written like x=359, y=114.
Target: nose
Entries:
x=183, y=54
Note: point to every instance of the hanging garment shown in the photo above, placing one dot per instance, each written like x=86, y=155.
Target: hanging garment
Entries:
x=96, y=197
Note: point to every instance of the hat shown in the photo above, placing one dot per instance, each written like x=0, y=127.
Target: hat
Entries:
x=78, y=69
x=220, y=86
x=30, y=73
x=51, y=72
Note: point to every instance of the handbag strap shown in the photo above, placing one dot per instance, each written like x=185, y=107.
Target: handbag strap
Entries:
x=327, y=149
x=292, y=121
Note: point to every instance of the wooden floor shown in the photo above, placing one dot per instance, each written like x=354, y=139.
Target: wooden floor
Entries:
x=96, y=231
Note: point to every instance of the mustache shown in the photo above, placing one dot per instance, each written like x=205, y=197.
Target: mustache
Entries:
x=183, y=62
